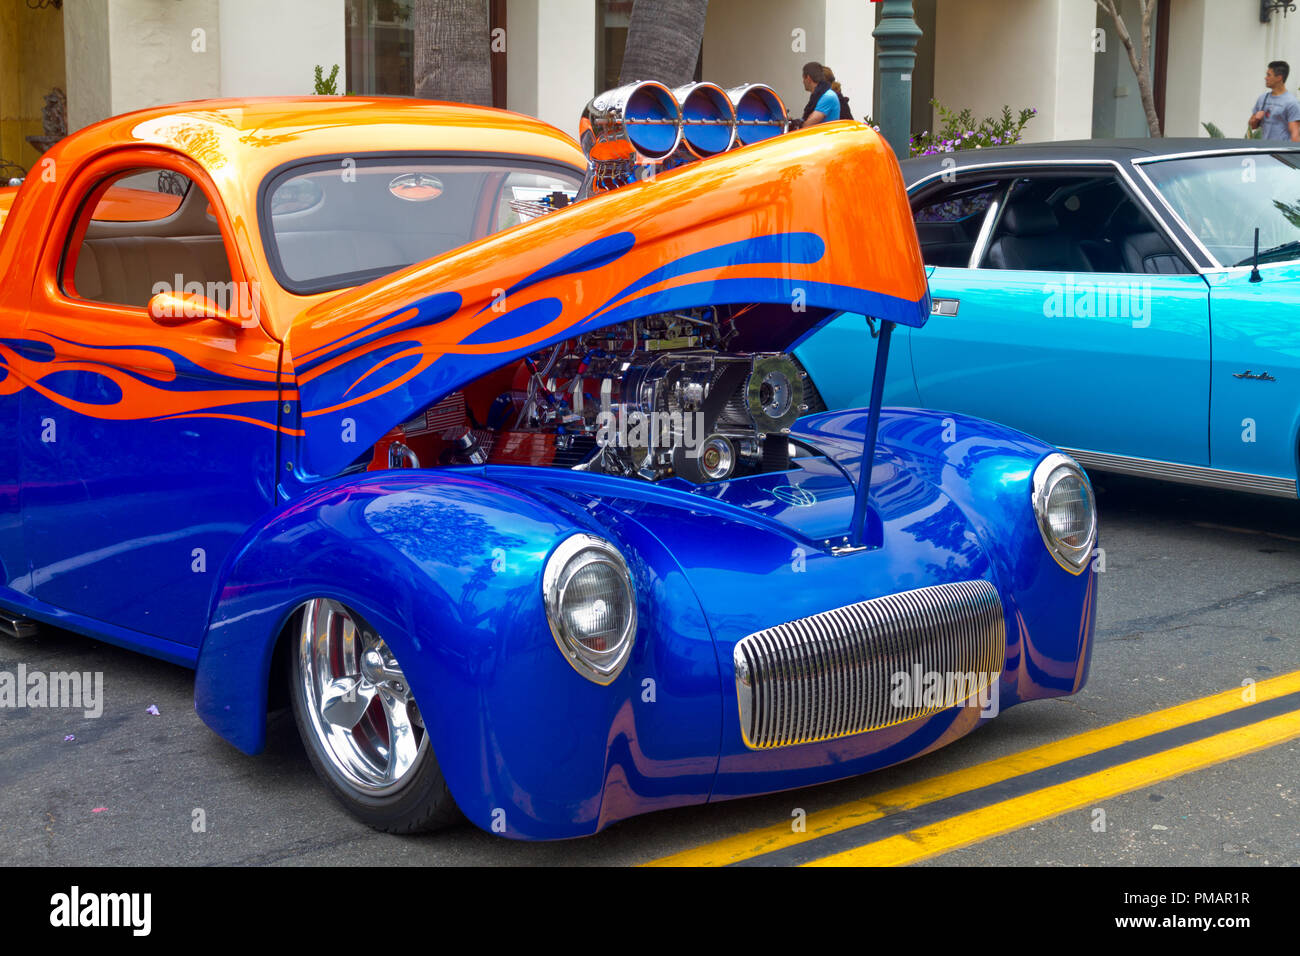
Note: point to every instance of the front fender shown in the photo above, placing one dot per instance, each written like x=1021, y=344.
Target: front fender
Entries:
x=447, y=568
x=399, y=549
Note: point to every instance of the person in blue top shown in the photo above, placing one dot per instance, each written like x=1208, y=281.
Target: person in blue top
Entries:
x=1277, y=112
x=823, y=105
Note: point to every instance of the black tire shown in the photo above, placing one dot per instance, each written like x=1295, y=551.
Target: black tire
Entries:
x=422, y=803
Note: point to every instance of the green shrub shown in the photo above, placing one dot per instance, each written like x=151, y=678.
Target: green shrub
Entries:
x=326, y=86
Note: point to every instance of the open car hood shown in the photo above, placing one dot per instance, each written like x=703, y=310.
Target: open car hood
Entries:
x=7, y=196
x=817, y=221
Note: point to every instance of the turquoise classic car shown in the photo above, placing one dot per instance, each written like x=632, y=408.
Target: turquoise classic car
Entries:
x=1135, y=302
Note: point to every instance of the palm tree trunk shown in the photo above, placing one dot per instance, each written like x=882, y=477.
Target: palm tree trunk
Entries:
x=663, y=41
x=452, y=54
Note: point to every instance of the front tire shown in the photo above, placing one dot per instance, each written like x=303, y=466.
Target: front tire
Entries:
x=360, y=724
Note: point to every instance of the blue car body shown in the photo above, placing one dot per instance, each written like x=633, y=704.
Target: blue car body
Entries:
x=512, y=726
x=109, y=538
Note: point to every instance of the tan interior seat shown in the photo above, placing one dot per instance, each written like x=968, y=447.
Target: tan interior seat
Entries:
x=124, y=270
x=330, y=253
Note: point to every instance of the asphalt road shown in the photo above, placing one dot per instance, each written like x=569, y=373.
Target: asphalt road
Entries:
x=1201, y=591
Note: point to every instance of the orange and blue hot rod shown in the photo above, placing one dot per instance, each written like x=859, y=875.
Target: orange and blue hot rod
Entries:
x=486, y=452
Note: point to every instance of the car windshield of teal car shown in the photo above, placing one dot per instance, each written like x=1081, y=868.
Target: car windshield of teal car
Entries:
x=1224, y=199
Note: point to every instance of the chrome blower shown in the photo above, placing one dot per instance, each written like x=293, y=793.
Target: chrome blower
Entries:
x=624, y=128
x=631, y=132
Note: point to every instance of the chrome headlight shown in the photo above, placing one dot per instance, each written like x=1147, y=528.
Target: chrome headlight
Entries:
x=590, y=606
x=1066, y=511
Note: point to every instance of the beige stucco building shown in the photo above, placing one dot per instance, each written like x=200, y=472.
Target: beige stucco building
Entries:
x=550, y=56
x=1209, y=55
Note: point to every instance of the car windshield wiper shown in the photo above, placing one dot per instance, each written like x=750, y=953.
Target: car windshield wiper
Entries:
x=1283, y=251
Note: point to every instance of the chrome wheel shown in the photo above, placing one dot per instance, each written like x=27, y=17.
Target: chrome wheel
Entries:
x=358, y=703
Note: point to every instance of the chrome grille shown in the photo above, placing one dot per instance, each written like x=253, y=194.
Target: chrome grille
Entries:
x=833, y=674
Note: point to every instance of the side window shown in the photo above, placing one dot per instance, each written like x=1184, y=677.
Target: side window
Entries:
x=948, y=223
x=1078, y=224
x=147, y=231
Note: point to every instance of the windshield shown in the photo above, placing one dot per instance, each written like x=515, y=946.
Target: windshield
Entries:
x=1224, y=199
x=339, y=223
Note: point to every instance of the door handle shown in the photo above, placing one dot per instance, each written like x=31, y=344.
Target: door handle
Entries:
x=944, y=306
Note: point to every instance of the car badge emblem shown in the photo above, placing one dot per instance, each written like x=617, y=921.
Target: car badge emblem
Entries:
x=416, y=187
x=797, y=497
x=1261, y=377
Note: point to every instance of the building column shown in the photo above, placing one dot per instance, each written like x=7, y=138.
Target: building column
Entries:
x=125, y=55
x=551, y=59
x=769, y=41
x=1019, y=53
x=1183, y=86
x=850, y=51
x=1072, y=96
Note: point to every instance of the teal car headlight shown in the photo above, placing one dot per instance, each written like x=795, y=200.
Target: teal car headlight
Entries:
x=1066, y=511
x=590, y=606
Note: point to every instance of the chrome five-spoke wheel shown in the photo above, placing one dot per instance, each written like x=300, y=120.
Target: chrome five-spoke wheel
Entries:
x=360, y=721
x=360, y=704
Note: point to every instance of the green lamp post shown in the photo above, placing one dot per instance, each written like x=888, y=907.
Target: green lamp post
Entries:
x=896, y=37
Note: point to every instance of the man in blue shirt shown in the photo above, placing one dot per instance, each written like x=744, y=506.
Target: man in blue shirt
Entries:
x=1277, y=112
x=824, y=103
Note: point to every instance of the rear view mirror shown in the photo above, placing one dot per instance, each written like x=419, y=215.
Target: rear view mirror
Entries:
x=181, y=308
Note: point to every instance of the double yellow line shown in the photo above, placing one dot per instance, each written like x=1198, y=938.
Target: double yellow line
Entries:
x=983, y=822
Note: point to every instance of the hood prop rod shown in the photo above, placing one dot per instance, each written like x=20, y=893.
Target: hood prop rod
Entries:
x=858, y=530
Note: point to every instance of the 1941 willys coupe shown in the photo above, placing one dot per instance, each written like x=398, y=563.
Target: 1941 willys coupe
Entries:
x=487, y=453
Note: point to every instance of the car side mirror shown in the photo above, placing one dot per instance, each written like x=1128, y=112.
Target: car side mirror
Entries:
x=181, y=308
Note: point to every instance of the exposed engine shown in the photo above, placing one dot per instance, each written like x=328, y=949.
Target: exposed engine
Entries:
x=652, y=398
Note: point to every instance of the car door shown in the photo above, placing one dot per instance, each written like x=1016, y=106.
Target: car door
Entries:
x=1062, y=324
x=1255, y=399
x=146, y=449
x=1242, y=207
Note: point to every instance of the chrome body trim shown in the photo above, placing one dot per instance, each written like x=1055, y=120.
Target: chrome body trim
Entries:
x=1231, y=151
x=1186, y=474
x=835, y=673
x=1191, y=234
x=1263, y=267
x=992, y=219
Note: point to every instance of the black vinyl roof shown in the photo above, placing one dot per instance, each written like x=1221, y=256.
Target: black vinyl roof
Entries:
x=1119, y=150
